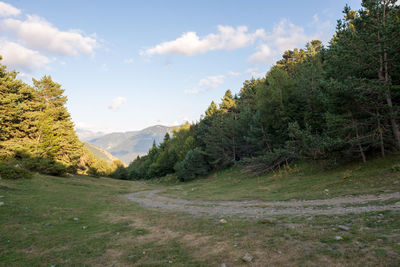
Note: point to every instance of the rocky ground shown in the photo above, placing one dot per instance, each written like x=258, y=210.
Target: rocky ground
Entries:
x=260, y=209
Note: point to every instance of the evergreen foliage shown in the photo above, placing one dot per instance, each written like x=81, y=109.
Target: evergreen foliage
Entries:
x=36, y=131
x=332, y=104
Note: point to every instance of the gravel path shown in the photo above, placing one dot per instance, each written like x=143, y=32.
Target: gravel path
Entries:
x=259, y=209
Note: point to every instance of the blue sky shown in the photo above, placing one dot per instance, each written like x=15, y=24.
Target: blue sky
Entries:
x=126, y=65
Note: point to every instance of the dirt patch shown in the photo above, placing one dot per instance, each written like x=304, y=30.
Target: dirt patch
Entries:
x=260, y=209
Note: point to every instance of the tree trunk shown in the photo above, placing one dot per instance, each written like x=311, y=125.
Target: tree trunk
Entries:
x=380, y=134
x=384, y=77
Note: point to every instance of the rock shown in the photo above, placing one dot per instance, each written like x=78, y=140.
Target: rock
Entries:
x=170, y=262
x=223, y=221
x=223, y=265
x=326, y=190
x=396, y=182
x=237, y=234
x=84, y=227
x=1, y=196
x=48, y=224
x=1, y=203
x=118, y=233
x=344, y=228
x=131, y=256
x=338, y=238
x=247, y=257
x=76, y=219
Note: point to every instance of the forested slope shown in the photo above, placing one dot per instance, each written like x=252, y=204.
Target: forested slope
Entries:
x=36, y=131
x=330, y=104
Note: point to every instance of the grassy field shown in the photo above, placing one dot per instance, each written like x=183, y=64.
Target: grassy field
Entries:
x=297, y=182
x=38, y=226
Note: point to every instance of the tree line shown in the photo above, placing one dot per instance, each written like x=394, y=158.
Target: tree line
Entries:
x=329, y=104
x=36, y=131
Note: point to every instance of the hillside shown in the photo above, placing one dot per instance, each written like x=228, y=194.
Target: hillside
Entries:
x=101, y=153
x=128, y=145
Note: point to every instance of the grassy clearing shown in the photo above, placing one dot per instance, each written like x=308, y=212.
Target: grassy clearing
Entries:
x=298, y=182
x=38, y=226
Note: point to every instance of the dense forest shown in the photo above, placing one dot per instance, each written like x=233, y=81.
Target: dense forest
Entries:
x=327, y=104
x=36, y=131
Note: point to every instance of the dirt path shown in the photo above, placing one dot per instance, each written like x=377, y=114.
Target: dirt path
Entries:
x=260, y=209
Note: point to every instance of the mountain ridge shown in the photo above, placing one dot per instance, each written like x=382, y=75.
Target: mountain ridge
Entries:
x=130, y=144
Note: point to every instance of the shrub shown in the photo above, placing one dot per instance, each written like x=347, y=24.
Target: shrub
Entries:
x=268, y=162
x=44, y=166
x=93, y=172
x=192, y=166
x=396, y=168
x=8, y=171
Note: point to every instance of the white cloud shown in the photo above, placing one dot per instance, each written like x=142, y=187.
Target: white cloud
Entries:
x=19, y=57
x=189, y=44
x=128, y=60
x=208, y=83
x=262, y=55
x=255, y=72
x=37, y=33
x=233, y=73
x=7, y=10
x=212, y=82
x=193, y=91
x=285, y=35
x=117, y=102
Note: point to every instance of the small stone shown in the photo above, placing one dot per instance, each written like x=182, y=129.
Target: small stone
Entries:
x=344, y=228
x=76, y=219
x=396, y=182
x=237, y=234
x=223, y=221
x=235, y=245
x=144, y=252
x=118, y=233
x=52, y=266
x=1, y=203
x=338, y=238
x=1, y=196
x=84, y=227
x=247, y=257
x=131, y=256
x=170, y=262
x=48, y=224
x=223, y=265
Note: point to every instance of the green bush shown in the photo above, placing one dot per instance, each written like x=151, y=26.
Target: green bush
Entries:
x=396, y=168
x=93, y=172
x=44, y=166
x=192, y=166
x=8, y=171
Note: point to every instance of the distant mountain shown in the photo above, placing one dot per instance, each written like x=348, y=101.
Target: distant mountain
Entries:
x=100, y=153
x=85, y=135
x=128, y=145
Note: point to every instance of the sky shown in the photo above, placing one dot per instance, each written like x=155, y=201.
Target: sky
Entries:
x=127, y=65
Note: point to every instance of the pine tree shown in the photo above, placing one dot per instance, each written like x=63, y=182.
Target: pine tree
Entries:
x=212, y=109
